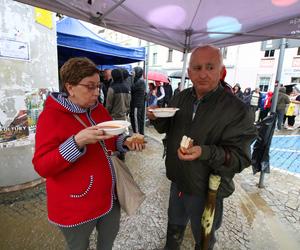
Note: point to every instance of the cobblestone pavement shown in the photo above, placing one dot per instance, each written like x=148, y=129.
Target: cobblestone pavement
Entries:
x=254, y=218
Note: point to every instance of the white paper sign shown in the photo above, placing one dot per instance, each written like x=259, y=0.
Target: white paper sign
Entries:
x=14, y=49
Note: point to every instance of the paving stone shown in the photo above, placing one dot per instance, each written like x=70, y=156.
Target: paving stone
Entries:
x=26, y=227
x=293, y=204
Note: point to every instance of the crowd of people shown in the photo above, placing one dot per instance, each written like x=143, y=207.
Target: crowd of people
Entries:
x=74, y=155
x=287, y=106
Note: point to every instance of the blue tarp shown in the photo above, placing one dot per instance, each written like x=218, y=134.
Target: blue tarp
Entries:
x=74, y=39
x=128, y=67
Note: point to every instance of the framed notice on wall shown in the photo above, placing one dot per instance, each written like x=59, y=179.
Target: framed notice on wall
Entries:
x=14, y=49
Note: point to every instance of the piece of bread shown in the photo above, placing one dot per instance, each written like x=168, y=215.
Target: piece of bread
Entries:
x=185, y=144
x=136, y=138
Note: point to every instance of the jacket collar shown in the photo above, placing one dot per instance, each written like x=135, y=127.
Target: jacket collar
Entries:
x=209, y=95
x=62, y=99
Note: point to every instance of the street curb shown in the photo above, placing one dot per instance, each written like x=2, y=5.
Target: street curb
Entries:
x=22, y=186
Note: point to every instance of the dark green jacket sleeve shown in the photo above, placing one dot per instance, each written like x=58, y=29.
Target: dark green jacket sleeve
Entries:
x=233, y=153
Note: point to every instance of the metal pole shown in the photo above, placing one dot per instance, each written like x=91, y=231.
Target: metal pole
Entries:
x=146, y=69
x=147, y=63
x=188, y=34
x=275, y=95
x=183, y=70
x=278, y=73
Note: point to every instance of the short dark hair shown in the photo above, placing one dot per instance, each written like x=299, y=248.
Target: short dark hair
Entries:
x=117, y=75
x=75, y=69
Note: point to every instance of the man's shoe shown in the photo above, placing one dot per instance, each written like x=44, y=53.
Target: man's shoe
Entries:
x=175, y=235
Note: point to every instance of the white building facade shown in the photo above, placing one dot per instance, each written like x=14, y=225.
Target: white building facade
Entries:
x=251, y=65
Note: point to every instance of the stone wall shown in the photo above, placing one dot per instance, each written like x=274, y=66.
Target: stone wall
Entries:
x=28, y=70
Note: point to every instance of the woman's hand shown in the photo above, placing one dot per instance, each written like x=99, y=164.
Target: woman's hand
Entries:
x=136, y=145
x=191, y=154
x=90, y=135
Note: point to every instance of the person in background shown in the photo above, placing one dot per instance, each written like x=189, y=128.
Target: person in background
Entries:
x=177, y=90
x=137, y=104
x=160, y=94
x=267, y=103
x=222, y=130
x=75, y=160
x=298, y=102
x=282, y=103
x=118, y=96
x=254, y=103
x=151, y=96
x=225, y=84
x=107, y=80
x=127, y=77
x=255, y=98
x=168, y=93
x=247, y=96
x=237, y=91
x=292, y=111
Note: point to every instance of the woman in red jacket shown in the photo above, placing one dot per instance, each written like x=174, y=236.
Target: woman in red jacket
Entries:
x=75, y=160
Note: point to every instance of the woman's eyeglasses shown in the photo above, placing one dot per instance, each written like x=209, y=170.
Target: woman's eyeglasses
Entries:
x=91, y=87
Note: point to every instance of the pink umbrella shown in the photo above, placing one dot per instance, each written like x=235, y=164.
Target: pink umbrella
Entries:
x=157, y=76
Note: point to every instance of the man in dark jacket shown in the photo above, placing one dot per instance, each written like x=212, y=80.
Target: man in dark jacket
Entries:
x=168, y=93
x=177, y=90
x=222, y=130
x=282, y=103
x=106, y=83
x=138, y=98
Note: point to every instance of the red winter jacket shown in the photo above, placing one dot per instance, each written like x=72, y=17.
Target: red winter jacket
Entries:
x=80, y=184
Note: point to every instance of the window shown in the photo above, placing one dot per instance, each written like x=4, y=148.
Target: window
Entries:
x=264, y=83
x=154, y=59
x=270, y=53
x=295, y=80
x=224, y=52
x=170, y=55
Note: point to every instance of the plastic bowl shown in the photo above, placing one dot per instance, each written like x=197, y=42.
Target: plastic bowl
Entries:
x=164, y=112
x=113, y=127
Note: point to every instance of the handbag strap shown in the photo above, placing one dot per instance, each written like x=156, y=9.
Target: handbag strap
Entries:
x=102, y=143
x=80, y=120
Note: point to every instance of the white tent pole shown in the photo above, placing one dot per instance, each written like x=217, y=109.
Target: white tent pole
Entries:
x=147, y=63
x=182, y=85
x=188, y=34
x=283, y=44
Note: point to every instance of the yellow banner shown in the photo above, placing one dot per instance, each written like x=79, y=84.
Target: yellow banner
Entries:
x=43, y=17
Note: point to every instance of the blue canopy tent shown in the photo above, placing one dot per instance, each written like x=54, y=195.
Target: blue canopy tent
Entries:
x=74, y=39
x=128, y=67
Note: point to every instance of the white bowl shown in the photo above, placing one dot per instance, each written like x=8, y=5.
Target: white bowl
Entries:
x=164, y=112
x=114, y=127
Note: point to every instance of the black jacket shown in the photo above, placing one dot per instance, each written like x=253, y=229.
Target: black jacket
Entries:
x=168, y=94
x=224, y=129
x=138, y=90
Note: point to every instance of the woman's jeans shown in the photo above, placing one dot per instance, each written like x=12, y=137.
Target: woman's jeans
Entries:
x=78, y=237
x=280, y=116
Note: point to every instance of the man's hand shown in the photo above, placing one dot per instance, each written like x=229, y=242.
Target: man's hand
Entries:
x=90, y=135
x=191, y=154
x=150, y=114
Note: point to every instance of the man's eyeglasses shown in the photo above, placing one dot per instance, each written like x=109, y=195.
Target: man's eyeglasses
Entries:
x=91, y=87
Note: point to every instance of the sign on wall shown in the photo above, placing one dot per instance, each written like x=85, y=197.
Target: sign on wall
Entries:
x=23, y=122
x=43, y=17
x=14, y=49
